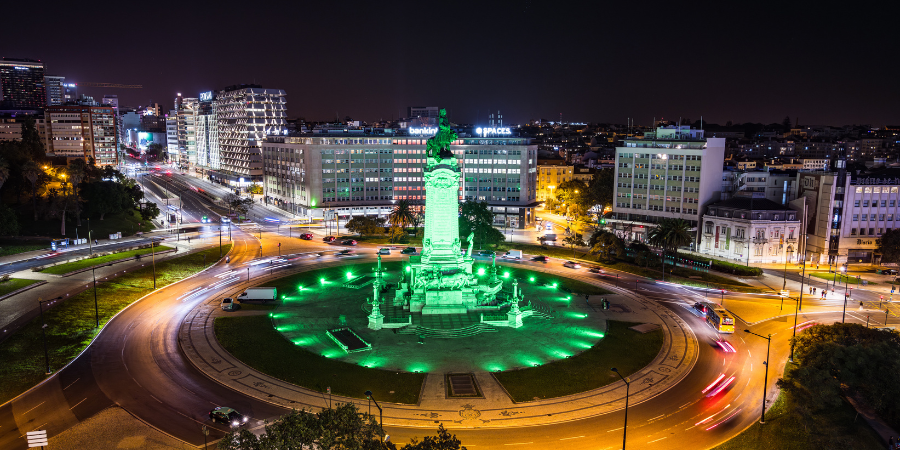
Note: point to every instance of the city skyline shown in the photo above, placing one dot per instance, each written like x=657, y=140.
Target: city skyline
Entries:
x=590, y=63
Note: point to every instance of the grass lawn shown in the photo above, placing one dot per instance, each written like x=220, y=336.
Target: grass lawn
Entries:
x=13, y=249
x=14, y=283
x=580, y=373
x=126, y=222
x=254, y=340
x=75, y=265
x=784, y=430
x=71, y=325
x=840, y=279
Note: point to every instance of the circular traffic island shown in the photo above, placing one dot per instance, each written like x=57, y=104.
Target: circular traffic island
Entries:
x=319, y=337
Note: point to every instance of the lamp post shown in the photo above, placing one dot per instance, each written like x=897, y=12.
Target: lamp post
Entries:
x=844, y=275
x=43, y=330
x=96, y=308
x=627, y=391
x=380, y=411
x=766, y=378
x=90, y=244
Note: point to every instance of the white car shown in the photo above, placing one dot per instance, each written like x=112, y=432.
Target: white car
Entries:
x=572, y=265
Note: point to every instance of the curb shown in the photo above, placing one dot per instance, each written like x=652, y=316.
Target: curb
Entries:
x=23, y=289
x=111, y=262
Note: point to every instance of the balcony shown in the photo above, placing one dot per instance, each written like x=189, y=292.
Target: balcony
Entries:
x=791, y=240
x=758, y=240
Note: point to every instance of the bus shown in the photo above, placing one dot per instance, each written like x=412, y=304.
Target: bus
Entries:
x=720, y=320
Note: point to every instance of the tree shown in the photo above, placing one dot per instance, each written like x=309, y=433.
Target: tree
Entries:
x=238, y=204
x=32, y=172
x=106, y=197
x=607, y=245
x=574, y=240
x=156, y=151
x=669, y=234
x=149, y=211
x=401, y=215
x=443, y=441
x=574, y=193
x=9, y=222
x=76, y=172
x=889, y=246
x=602, y=188
x=477, y=217
x=368, y=226
x=255, y=188
x=4, y=171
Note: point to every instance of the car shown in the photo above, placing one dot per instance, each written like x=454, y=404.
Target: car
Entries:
x=485, y=254
x=348, y=242
x=329, y=238
x=346, y=252
x=384, y=251
x=542, y=259
x=572, y=265
x=228, y=416
x=596, y=270
x=204, y=219
x=701, y=309
x=228, y=304
x=725, y=346
x=306, y=236
x=225, y=220
x=408, y=251
x=548, y=226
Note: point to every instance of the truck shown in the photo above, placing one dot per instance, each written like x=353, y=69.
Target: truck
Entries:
x=513, y=254
x=258, y=294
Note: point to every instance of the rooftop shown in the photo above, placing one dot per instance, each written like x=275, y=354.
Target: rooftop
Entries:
x=750, y=204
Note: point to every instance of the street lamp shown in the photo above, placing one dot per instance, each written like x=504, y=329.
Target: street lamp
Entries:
x=627, y=389
x=96, y=308
x=766, y=379
x=380, y=412
x=43, y=330
x=844, y=275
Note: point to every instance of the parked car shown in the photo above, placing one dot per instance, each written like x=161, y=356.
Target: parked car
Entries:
x=572, y=265
x=306, y=236
x=329, y=238
x=542, y=259
x=384, y=251
x=348, y=242
x=408, y=251
x=227, y=304
x=228, y=416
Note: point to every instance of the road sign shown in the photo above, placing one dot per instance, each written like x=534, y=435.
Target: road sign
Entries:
x=784, y=293
x=205, y=430
x=36, y=438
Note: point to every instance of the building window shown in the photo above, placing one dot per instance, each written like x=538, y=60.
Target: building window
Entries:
x=871, y=231
x=865, y=217
x=856, y=217
x=853, y=232
x=856, y=203
x=865, y=203
x=883, y=203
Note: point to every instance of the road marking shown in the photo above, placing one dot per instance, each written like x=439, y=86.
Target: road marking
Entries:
x=521, y=443
x=70, y=385
x=39, y=404
x=617, y=429
x=657, y=417
x=657, y=440
x=576, y=437
x=82, y=401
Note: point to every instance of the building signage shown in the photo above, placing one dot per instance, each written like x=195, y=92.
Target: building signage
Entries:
x=862, y=242
x=423, y=131
x=865, y=181
x=206, y=96
x=502, y=131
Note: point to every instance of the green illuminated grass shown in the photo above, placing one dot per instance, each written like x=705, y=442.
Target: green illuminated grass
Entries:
x=14, y=283
x=835, y=428
x=85, y=263
x=71, y=325
x=253, y=340
x=7, y=249
x=839, y=279
x=587, y=370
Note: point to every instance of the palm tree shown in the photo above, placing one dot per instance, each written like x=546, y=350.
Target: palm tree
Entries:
x=32, y=172
x=668, y=235
x=402, y=215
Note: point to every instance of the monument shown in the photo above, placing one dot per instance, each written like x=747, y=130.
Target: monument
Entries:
x=440, y=278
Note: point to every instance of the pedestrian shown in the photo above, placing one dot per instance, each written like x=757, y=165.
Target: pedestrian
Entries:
x=189, y=239
x=891, y=442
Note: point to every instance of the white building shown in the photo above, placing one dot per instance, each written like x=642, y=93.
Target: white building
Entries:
x=751, y=230
x=815, y=164
x=872, y=208
x=207, y=132
x=246, y=115
x=672, y=173
x=777, y=186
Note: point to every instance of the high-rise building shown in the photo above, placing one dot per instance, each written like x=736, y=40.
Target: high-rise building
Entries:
x=172, y=135
x=422, y=115
x=246, y=115
x=22, y=84
x=367, y=172
x=57, y=91
x=77, y=131
x=207, y=132
x=186, y=109
x=661, y=176
x=111, y=100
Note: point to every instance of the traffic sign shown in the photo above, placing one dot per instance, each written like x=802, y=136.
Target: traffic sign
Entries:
x=784, y=293
x=36, y=438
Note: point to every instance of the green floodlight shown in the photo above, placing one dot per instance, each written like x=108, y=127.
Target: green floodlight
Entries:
x=300, y=287
x=480, y=271
x=408, y=268
x=349, y=275
x=531, y=279
x=505, y=274
x=322, y=280
x=553, y=285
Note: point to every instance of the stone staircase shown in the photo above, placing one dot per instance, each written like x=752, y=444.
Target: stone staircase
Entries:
x=471, y=330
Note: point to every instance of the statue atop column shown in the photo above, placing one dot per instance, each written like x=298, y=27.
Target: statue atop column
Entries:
x=438, y=147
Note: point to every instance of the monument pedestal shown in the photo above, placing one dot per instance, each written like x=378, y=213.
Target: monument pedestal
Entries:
x=444, y=302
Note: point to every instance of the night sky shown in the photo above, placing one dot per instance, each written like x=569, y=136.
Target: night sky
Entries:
x=826, y=63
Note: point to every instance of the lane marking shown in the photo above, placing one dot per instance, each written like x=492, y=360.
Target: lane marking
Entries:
x=39, y=404
x=617, y=429
x=82, y=401
x=657, y=440
x=576, y=437
x=70, y=385
x=521, y=443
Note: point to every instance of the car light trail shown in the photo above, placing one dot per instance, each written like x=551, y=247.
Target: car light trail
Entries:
x=721, y=387
x=725, y=419
x=713, y=384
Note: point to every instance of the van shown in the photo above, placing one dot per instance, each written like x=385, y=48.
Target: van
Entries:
x=227, y=304
x=513, y=254
x=384, y=251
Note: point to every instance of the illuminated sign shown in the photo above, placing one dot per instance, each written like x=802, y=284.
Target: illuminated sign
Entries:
x=502, y=131
x=206, y=96
x=21, y=68
x=426, y=131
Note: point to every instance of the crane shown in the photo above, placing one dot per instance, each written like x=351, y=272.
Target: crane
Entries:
x=110, y=85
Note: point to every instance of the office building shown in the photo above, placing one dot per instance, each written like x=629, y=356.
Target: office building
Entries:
x=367, y=172
x=172, y=135
x=777, y=186
x=57, y=90
x=661, y=176
x=207, y=132
x=872, y=208
x=76, y=131
x=246, y=115
x=422, y=115
x=11, y=125
x=22, y=84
